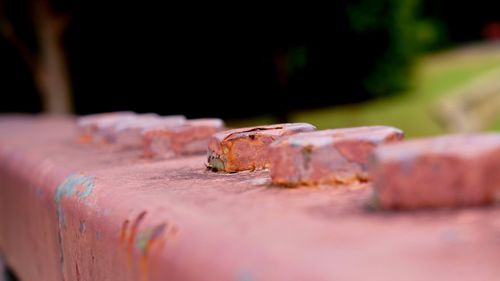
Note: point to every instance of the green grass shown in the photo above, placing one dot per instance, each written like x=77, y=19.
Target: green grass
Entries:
x=410, y=111
x=435, y=76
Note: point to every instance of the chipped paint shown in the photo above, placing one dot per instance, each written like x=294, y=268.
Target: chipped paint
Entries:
x=66, y=189
x=143, y=242
x=147, y=237
x=123, y=231
x=133, y=230
x=127, y=237
x=147, y=240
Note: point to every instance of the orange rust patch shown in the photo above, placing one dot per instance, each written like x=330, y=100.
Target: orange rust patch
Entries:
x=237, y=132
x=84, y=138
x=123, y=232
x=151, y=238
x=133, y=230
x=128, y=236
x=247, y=148
x=147, y=242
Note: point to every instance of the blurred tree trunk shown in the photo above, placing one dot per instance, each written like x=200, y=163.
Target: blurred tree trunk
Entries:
x=48, y=63
x=51, y=72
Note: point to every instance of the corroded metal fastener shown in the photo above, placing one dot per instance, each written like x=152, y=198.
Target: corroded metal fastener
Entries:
x=337, y=156
x=89, y=125
x=122, y=128
x=449, y=171
x=128, y=133
x=247, y=148
x=190, y=138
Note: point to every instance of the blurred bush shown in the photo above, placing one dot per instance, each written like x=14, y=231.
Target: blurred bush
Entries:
x=399, y=33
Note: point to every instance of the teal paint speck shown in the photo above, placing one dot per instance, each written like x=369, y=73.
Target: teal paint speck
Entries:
x=68, y=187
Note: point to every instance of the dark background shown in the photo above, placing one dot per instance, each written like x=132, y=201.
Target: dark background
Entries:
x=235, y=62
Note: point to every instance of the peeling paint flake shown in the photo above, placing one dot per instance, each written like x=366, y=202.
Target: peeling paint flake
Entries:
x=148, y=236
x=68, y=187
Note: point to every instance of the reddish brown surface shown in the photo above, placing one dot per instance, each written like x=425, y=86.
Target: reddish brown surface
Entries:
x=457, y=170
x=191, y=138
x=248, y=148
x=128, y=134
x=89, y=125
x=173, y=220
x=327, y=156
x=122, y=129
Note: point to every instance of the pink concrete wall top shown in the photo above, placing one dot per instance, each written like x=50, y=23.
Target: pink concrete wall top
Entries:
x=80, y=212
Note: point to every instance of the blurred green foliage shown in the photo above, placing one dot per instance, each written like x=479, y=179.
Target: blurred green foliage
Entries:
x=398, y=30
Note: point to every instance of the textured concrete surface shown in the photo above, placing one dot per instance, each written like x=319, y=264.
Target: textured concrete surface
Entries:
x=79, y=212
